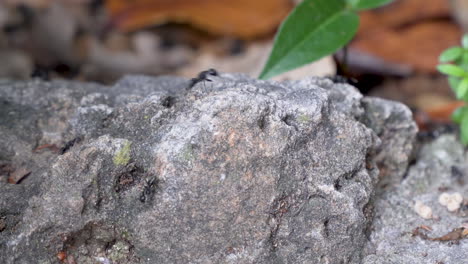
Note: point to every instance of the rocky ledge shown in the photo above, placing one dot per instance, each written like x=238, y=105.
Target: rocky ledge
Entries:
x=232, y=170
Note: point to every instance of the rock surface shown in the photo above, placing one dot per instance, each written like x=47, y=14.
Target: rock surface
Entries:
x=395, y=238
x=231, y=171
x=387, y=121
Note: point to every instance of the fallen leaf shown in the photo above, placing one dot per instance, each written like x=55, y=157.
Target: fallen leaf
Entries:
x=444, y=112
x=51, y=147
x=418, y=46
x=241, y=18
x=425, y=227
x=438, y=114
x=455, y=235
x=401, y=13
x=414, y=33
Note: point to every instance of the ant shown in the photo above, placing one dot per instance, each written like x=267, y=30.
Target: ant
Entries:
x=342, y=79
x=203, y=76
x=69, y=144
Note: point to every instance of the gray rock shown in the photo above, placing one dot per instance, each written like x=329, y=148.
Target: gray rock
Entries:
x=231, y=171
x=386, y=121
x=441, y=167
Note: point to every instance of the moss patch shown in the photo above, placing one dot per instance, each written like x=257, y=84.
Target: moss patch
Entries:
x=122, y=157
x=303, y=118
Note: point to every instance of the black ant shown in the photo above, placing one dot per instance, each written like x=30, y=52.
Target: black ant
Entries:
x=203, y=76
x=70, y=144
x=342, y=79
x=148, y=190
x=41, y=72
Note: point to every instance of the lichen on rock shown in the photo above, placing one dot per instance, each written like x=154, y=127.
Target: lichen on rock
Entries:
x=123, y=155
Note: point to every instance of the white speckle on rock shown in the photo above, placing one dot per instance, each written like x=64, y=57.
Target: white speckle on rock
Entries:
x=93, y=98
x=451, y=201
x=222, y=177
x=103, y=260
x=96, y=108
x=423, y=210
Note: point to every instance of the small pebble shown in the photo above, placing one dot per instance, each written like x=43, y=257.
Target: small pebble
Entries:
x=451, y=201
x=423, y=210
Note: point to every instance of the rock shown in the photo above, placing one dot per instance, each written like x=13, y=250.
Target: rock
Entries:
x=396, y=236
x=388, y=120
x=234, y=170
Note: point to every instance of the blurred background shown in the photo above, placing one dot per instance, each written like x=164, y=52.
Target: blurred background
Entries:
x=393, y=56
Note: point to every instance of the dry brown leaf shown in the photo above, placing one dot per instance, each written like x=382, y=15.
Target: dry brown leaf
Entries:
x=410, y=33
x=437, y=114
x=51, y=147
x=443, y=113
x=425, y=227
x=241, y=18
x=401, y=13
x=465, y=232
x=418, y=46
x=455, y=235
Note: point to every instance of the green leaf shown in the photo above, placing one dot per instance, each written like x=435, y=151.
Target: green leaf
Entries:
x=367, y=4
x=457, y=115
x=465, y=41
x=452, y=70
x=314, y=29
x=462, y=88
x=451, y=54
x=453, y=82
x=464, y=130
x=465, y=98
x=463, y=60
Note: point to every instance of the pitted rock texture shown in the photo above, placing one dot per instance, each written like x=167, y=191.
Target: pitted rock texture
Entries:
x=387, y=121
x=230, y=171
x=441, y=167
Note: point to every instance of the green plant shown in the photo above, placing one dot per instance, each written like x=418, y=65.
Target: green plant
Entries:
x=454, y=63
x=314, y=29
